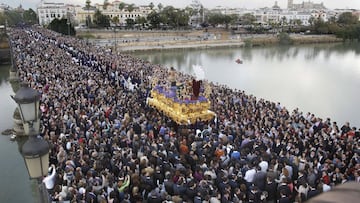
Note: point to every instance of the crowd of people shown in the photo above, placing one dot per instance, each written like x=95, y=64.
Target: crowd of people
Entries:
x=108, y=145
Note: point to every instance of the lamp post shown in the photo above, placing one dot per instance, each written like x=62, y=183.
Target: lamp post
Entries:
x=115, y=42
x=68, y=22
x=35, y=150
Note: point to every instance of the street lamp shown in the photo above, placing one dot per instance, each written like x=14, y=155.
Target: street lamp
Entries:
x=28, y=101
x=36, y=156
x=35, y=150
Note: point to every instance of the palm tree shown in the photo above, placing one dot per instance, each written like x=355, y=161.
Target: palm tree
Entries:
x=151, y=5
x=87, y=6
x=131, y=8
x=283, y=23
x=160, y=6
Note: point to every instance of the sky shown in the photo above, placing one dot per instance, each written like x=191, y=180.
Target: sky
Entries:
x=332, y=4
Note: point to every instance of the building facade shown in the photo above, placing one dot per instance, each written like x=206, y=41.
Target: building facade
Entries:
x=48, y=11
x=305, y=5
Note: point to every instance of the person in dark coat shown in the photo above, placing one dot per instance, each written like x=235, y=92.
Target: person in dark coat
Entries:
x=312, y=192
x=260, y=179
x=283, y=197
x=271, y=189
x=254, y=194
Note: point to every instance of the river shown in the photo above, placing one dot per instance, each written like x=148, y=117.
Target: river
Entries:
x=15, y=183
x=322, y=79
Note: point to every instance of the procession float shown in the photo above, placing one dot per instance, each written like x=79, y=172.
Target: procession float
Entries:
x=184, y=102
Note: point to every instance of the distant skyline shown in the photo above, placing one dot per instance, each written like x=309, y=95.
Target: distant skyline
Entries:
x=331, y=4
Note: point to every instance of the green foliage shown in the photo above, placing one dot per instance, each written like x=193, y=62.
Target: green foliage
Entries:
x=347, y=18
x=284, y=39
x=87, y=4
x=346, y=26
x=30, y=17
x=131, y=7
x=13, y=17
x=115, y=20
x=349, y=32
x=140, y=20
x=100, y=20
x=122, y=6
x=130, y=23
x=221, y=19
x=248, y=43
x=160, y=6
x=61, y=26
x=154, y=19
x=320, y=27
x=2, y=18
x=247, y=19
x=151, y=5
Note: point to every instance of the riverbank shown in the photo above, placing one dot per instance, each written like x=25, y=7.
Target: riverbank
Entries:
x=128, y=41
x=4, y=51
x=261, y=40
x=254, y=40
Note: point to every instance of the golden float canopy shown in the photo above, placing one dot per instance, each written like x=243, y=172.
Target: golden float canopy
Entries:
x=183, y=112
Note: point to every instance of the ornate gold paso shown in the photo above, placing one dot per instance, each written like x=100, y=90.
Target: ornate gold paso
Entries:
x=182, y=110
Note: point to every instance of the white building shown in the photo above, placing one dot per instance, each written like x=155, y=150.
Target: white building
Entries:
x=112, y=10
x=48, y=11
x=4, y=7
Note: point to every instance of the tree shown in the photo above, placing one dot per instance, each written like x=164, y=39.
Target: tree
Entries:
x=247, y=19
x=131, y=8
x=154, y=19
x=115, y=20
x=88, y=18
x=312, y=20
x=347, y=18
x=13, y=17
x=122, y=6
x=100, y=20
x=2, y=18
x=151, y=5
x=182, y=18
x=61, y=26
x=141, y=20
x=284, y=38
x=160, y=6
x=298, y=22
x=320, y=27
x=216, y=19
x=30, y=17
x=130, y=23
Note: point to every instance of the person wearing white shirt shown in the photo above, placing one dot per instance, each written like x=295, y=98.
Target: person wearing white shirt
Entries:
x=264, y=165
x=49, y=180
x=249, y=175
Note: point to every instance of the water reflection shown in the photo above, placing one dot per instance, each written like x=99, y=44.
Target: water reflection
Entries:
x=4, y=73
x=321, y=78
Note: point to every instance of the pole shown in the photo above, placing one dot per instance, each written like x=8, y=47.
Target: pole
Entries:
x=115, y=45
x=44, y=195
x=88, y=26
x=68, y=28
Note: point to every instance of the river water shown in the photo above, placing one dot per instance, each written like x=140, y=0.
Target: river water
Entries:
x=15, y=183
x=321, y=79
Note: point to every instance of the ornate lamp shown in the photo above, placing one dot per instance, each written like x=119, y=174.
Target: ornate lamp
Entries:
x=28, y=101
x=36, y=156
x=35, y=150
